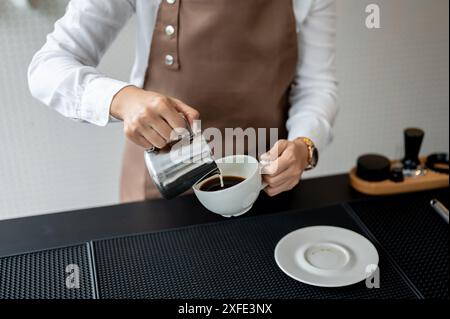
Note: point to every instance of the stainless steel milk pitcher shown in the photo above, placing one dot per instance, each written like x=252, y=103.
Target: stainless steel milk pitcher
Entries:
x=181, y=165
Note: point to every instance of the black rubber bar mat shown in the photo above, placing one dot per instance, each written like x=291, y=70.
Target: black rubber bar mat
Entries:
x=414, y=235
x=46, y=275
x=232, y=259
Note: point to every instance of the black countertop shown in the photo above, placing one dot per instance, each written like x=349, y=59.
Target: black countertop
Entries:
x=63, y=229
x=411, y=238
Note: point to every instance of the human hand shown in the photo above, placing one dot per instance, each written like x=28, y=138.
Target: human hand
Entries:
x=288, y=160
x=150, y=119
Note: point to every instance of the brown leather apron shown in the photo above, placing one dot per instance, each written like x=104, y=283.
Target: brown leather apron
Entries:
x=233, y=61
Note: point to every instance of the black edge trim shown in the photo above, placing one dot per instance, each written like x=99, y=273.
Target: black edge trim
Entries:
x=391, y=259
x=93, y=270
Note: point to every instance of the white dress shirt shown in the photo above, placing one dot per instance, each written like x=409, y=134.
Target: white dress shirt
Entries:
x=64, y=74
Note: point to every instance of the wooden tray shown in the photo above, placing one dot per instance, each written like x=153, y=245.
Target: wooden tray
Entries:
x=431, y=180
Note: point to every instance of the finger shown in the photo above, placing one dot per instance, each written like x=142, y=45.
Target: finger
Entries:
x=276, y=167
x=132, y=133
x=287, y=186
x=276, y=151
x=190, y=113
x=141, y=141
x=172, y=116
x=153, y=137
x=162, y=128
x=280, y=179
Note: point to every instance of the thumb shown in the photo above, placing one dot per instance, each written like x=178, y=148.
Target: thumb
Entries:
x=190, y=113
x=276, y=151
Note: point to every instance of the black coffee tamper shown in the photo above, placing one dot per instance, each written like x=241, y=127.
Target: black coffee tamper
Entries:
x=413, y=143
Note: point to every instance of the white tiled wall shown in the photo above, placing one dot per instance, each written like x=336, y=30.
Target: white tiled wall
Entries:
x=390, y=79
x=49, y=163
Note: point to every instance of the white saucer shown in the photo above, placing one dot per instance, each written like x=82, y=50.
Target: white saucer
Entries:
x=326, y=256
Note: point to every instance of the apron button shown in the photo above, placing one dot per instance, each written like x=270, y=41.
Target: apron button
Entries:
x=169, y=60
x=171, y=1
x=169, y=30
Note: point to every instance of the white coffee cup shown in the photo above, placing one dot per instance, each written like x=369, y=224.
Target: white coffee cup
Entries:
x=237, y=200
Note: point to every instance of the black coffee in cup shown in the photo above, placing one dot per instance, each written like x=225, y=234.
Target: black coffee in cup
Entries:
x=220, y=183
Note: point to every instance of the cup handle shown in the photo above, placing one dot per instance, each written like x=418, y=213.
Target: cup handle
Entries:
x=263, y=164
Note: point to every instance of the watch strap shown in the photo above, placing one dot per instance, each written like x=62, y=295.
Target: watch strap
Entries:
x=312, y=151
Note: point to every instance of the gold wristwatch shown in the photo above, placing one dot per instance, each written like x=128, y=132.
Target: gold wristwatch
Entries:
x=313, y=158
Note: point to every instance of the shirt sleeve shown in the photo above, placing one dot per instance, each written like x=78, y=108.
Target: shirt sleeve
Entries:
x=63, y=74
x=314, y=91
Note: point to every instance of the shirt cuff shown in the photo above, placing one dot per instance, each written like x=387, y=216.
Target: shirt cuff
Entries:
x=97, y=98
x=314, y=128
